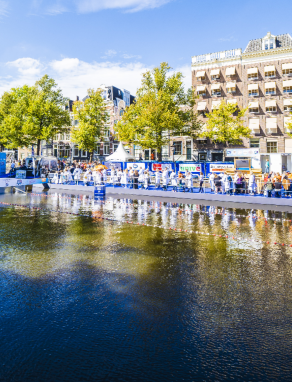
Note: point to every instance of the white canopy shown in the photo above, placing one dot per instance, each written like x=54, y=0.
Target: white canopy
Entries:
x=120, y=155
x=230, y=71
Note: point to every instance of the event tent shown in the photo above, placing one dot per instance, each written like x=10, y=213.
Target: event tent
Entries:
x=120, y=155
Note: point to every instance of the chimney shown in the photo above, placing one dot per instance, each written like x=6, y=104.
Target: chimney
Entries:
x=77, y=98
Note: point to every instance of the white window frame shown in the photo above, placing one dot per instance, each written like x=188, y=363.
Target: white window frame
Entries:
x=270, y=74
x=253, y=93
x=106, y=152
x=287, y=89
x=83, y=153
x=253, y=110
x=272, y=152
x=254, y=76
x=271, y=109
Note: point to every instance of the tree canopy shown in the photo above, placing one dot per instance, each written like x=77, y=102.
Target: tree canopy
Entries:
x=92, y=117
x=30, y=114
x=226, y=124
x=161, y=109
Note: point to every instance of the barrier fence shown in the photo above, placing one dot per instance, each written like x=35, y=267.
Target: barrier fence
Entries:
x=194, y=185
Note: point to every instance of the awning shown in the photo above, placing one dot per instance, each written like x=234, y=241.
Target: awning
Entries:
x=253, y=105
x=287, y=102
x=252, y=71
x=201, y=88
x=215, y=72
x=230, y=85
x=287, y=66
x=271, y=124
x=272, y=103
x=270, y=68
x=233, y=101
x=202, y=105
x=286, y=121
x=200, y=74
x=254, y=124
x=230, y=71
x=270, y=85
x=215, y=87
x=253, y=87
x=215, y=104
x=287, y=83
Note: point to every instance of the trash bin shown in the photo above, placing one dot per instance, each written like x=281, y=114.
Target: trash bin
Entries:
x=99, y=192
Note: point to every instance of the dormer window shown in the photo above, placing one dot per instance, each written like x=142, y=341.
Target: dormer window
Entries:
x=269, y=42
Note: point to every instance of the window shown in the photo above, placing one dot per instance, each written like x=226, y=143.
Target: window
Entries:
x=116, y=146
x=270, y=91
x=287, y=89
x=76, y=122
x=98, y=149
x=288, y=108
x=272, y=147
x=271, y=109
x=105, y=149
x=121, y=112
x=177, y=148
x=266, y=44
x=189, y=150
x=201, y=93
x=215, y=77
x=253, y=110
x=201, y=78
x=253, y=93
x=253, y=76
x=270, y=74
x=287, y=71
x=83, y=153
x=76, y=151
x=269, y=44
x=67, y=137
x=254, y=143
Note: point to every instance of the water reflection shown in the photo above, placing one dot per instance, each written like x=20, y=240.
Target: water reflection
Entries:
x=84, y=298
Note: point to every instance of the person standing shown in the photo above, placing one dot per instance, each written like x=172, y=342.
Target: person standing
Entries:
x=77, y=174
x=189, y=181
x=165, y=178
x=211, y=180
x=201, y=180
x=131, y=177
x=267, y=167
x=269, y=186
x=135, y=179
x=278, y=187
x=286, y=185
x=157, y=179
x=252, y=186
x=124, y=179
x=173, y=181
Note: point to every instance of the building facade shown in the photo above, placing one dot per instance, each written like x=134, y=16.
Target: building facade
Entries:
x=117, y=100
x=260, y=79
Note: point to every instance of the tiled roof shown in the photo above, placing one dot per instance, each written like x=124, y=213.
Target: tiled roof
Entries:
x=282, y=41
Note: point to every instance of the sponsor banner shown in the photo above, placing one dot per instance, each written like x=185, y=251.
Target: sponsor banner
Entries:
x=220, y=167
x=136, y=166
x=189, y=167
x=13, y=182
x=161, y=166
x=20, y=174
x=242, y=152
x=3, y=163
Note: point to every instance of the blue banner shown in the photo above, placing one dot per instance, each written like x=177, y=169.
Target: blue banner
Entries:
x=2, y=163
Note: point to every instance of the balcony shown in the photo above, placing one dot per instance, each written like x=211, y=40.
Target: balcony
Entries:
x=271, y=93
x=217, y=94
x=253, y=95
x=253, y=78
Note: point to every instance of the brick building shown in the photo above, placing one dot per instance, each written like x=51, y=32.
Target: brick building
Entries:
x=259, y=78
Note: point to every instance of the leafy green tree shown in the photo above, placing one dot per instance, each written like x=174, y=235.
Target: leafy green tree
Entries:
x=92, y=117
x=288, y=126
x=29, y=115
x=162, y=109
x=226, y=125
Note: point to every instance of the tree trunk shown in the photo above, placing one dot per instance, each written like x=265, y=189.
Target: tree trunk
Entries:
x=159, y=154
x=38, y=147
x=91, y=156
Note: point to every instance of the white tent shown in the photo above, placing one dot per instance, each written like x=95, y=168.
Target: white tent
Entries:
x=120, y=155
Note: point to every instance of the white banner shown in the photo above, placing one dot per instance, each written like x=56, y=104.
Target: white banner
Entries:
x=189, y=167
x=239, y=153
x=13, y=182
x=220, y=167
x=136, y=166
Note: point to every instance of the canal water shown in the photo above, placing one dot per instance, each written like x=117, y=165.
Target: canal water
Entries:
x=97, y=297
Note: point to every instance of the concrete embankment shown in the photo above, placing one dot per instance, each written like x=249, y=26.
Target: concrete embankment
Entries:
x=183, y=196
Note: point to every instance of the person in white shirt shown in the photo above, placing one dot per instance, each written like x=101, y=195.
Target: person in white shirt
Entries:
x=157, y=179
x=131, y=177
x=201, y=180
x=55, y=178
x=125, y=178
x=141, y=176
x=173, y=179
x=252, y=186
x=211, y=180
x=77, y=174
x=87, y=177
x=146, y=180
x=120, y=174
x=104, y=175
x=165, y=178
x=189, y=179
x=98, y=177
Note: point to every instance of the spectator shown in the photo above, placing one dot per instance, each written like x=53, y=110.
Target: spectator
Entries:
x=286, y=185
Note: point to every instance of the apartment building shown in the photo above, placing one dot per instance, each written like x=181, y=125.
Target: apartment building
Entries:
x=117, y=100
x=260, y=79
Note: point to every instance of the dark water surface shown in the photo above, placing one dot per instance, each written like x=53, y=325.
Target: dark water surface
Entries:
x=87, y=299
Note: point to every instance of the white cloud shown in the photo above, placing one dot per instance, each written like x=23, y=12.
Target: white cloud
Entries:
x=130, y=56
x=87, y=6
x=27, y=66
x=3, y=8
x=74, y=76
x=109, y=53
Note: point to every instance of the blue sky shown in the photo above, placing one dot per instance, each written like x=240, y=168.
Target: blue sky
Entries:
x=86, y=43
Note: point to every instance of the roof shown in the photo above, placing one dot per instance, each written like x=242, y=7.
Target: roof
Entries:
x=282, y=41
x=120, y=155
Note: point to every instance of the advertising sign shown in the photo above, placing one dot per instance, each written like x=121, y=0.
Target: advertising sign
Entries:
x=6, y=182
x=242, y=153
x=110, y=165
x=160, y=166
x=220, y=167
x=183, y=167
x=242, y=164
x=20, y=174
x=136, y=166
x=2, y=163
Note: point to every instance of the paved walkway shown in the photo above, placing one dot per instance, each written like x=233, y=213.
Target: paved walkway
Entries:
x=256, y=200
